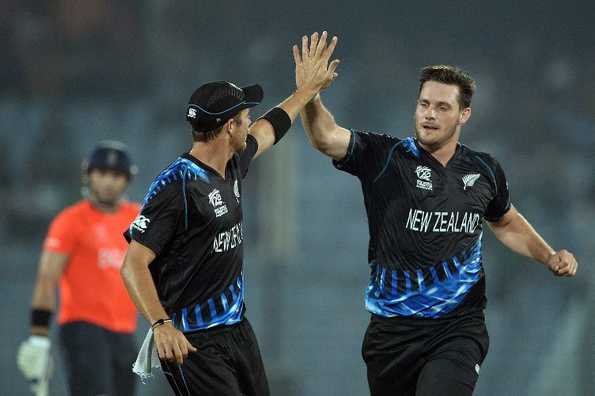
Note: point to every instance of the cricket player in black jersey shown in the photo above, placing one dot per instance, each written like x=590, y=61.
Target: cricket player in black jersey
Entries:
x=184, y=265
x=426, y=198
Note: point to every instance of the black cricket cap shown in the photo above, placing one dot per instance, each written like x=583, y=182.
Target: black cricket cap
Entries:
x=212, y=104
x=110, y=155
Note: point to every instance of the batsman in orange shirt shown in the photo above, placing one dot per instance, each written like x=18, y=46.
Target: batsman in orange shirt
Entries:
x=84, y=251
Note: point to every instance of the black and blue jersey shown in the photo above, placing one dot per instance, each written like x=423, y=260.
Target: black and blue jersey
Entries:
x=425, y=224
x=192, y=220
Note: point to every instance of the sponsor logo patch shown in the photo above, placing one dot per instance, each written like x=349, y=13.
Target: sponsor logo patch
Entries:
x=424, y=177
x=140, y=223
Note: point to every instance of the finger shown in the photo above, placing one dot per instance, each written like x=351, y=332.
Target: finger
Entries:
x=314, y=42
x=321, y=44
x=296, y=55
x=183, y=348
x=333, y=66
x=304, y=48
x=330, y=49
x=191, y=347
x=178, y=356
x=560, y=266
x=167, y=353
x=567, y=269
x=160, y=350
x=563, y=265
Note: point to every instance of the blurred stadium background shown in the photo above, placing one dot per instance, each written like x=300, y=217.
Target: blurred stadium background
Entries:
x=74, y=73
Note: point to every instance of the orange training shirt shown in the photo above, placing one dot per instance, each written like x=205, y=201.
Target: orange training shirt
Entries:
x=91, y=289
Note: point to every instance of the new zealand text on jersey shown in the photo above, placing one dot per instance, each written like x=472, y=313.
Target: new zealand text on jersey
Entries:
x=422, y=221
x=228, y=239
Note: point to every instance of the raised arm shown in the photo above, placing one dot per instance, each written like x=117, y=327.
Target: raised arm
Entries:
x=514, y=231
x=318, y=75
x=322, y=130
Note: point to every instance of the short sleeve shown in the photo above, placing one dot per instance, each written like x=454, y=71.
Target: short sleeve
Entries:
x=245, y=157
x=366, y=154
x=500, y=204
x=62, y=234
x=158, y=221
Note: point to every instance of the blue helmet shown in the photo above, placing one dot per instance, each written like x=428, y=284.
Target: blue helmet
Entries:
x=110, y=155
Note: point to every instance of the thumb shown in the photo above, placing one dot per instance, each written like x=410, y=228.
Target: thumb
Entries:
x=333, y=66
x=190, y=346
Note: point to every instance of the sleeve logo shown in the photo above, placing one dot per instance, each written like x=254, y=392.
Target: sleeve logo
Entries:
x=236, y=191
x=140, y=223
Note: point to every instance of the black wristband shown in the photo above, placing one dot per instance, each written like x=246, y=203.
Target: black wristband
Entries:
x=41, y=317
x=280, y=121
x=160, y=322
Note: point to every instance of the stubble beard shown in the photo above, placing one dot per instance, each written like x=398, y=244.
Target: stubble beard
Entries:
x=432, y=144
x=105, y=202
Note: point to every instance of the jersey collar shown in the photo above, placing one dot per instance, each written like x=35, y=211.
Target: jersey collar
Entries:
x=431, y=158
x=206, y=167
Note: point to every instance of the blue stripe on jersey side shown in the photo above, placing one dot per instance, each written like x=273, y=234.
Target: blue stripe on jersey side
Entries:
x=446, y=270
x=420, y=280
x=198, y=315
x=179, y=170
x=407, y=281
x=410, y=146
x=232, y=310
x=428, y=302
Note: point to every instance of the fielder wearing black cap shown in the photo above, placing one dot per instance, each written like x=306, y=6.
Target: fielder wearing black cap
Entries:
x=190, y=233
x=216, y=102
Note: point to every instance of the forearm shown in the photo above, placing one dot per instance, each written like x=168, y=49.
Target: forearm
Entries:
x=294, y=104
x=518, y=235
x=264, y=131
x=318, y=122
x=141, y=289
x=44, y=299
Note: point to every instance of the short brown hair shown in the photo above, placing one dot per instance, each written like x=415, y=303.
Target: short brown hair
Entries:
x=206, y=136
x=451, y=75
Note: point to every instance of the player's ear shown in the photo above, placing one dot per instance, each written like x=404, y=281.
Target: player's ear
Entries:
x=228, y=126
x=464, y=116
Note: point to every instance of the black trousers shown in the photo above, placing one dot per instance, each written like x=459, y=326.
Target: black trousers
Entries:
x=97, y=361
x=423, y=357
x=227, y=363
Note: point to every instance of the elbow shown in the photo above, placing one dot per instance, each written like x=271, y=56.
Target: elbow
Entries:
x=323, y=145
x=125, y=271
x=321, y=141
x=318, y=143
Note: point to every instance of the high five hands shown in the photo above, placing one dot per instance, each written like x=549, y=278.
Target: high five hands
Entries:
x=312, y=65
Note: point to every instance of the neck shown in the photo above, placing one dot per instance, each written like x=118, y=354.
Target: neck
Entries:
x=445, y=151
x=215, y=153
x=103, y=206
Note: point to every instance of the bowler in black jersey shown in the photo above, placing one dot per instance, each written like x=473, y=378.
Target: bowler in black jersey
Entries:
x=184, y=265
x=426, y=198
